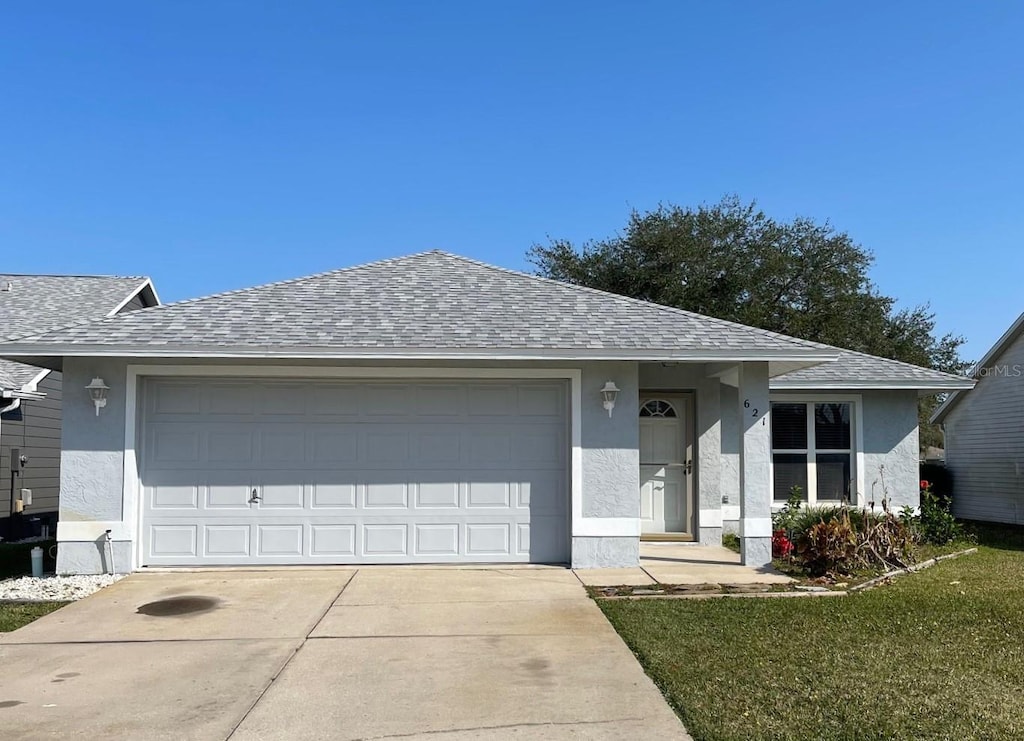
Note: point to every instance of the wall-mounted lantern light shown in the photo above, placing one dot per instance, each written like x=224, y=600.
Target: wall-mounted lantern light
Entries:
x=608, y=395
x=98, y=393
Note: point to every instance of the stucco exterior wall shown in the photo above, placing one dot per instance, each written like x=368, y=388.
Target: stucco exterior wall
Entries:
x=891, y=448
x=889, y=454
x=92, y=470
x=92, y=473
x=611, y=458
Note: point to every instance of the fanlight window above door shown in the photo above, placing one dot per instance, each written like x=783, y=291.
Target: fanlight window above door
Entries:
x=657, y=408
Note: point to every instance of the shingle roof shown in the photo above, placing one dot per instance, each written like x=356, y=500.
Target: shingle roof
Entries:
x=431, y=302
x=37, y=303
x=858, y=370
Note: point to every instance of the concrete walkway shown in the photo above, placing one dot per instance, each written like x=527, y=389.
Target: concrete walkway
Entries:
x=330, y=654
x=683, y=563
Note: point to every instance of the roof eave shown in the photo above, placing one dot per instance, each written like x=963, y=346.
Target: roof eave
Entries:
x=15, y=350
x=924, y=388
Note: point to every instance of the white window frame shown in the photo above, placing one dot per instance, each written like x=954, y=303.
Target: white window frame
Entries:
x=856, y=403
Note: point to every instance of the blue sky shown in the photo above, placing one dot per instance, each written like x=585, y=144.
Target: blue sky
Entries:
x=215, y=145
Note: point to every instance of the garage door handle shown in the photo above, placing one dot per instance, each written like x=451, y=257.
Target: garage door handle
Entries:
x=255, y=497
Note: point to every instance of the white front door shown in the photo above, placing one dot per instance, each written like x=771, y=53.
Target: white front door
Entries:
x=665, y=465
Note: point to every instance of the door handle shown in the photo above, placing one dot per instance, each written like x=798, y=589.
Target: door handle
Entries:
x=255, y=497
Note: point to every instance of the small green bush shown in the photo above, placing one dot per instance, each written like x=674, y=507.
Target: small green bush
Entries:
x=935, y=524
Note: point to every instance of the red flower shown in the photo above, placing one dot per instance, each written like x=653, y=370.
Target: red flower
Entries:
x=781, y=545
x=924, y=484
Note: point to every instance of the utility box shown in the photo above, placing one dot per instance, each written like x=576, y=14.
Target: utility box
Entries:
x=16, y=460
x=26, y=496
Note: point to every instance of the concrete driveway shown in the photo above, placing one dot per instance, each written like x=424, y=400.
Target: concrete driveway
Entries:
x=451, y=653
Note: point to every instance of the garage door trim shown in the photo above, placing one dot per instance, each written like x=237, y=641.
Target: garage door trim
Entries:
x=132, y=509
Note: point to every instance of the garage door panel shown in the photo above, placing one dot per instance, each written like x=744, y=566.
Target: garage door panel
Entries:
x=232, y=399
x=173, y=541
x=441, y=539
x=228, y=541
x=332, y=541
x=333, y=495
x=331, y=445
x=437, y=494
x=385, y=494
x=386, y=539
x=350, y=472
x=388, y=447
x=229, y=446
x=280, y=540
x=488, y=539
x=171, y=496
x=172, y=445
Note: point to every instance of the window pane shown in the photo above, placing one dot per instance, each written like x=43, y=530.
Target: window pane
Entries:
x=790, y=470
x=833, y=476
x=789, y=426
x=832, y=426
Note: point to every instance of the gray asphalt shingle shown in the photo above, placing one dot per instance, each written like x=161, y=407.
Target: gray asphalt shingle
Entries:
x=428, y=301
x=37, y=303
x=860, y=368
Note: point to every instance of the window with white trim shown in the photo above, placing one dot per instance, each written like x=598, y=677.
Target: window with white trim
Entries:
x=812, y=447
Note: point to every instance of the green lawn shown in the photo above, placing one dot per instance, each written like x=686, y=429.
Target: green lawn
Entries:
x=938, y=654
x=14, y=614
x=15, y=560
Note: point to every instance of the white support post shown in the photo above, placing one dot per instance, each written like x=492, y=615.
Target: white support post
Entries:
x=709, y=461
x=755, y=465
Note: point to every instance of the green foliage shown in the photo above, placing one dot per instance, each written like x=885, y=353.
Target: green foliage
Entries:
x=731, y=541
x=785, y=518
x=840, y=540
x=828, y=547
x=732, y=261
x=936, y=524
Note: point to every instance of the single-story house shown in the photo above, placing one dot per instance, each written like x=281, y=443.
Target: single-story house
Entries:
x=432, y=408
x=984, y=431
x=30, y=396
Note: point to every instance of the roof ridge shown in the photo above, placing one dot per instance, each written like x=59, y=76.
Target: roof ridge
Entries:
x=631, y=300
x=74, y=275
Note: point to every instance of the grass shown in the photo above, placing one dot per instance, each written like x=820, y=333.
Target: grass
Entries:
x=938, y=654
x=15, y=614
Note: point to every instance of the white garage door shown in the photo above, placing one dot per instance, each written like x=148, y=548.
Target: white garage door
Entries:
x=285, y=472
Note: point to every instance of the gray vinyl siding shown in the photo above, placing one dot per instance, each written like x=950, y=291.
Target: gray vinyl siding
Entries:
x=985, y=442
x=37, y=434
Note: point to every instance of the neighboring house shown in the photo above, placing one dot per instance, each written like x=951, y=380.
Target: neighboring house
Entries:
x=984, y=430
x=432, y=408
x=30, y=396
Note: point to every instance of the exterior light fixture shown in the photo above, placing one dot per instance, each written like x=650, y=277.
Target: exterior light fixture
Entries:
x=98, y=393
x=608, y=395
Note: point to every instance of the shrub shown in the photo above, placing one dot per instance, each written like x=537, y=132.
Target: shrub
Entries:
x=782, y=547
x=836, y=540
x=936, y=523
x=829, y=546
x=785, y=518
x=940, y=478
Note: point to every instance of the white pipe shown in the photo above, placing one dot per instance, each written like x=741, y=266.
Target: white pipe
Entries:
x=110, y=551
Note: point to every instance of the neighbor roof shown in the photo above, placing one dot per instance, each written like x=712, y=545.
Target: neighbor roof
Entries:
x=431, y=304
x=856, y=370
x=1002, y=345
x=37, y=303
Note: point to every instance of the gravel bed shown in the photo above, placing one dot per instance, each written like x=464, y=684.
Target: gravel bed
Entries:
x=55, y=588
